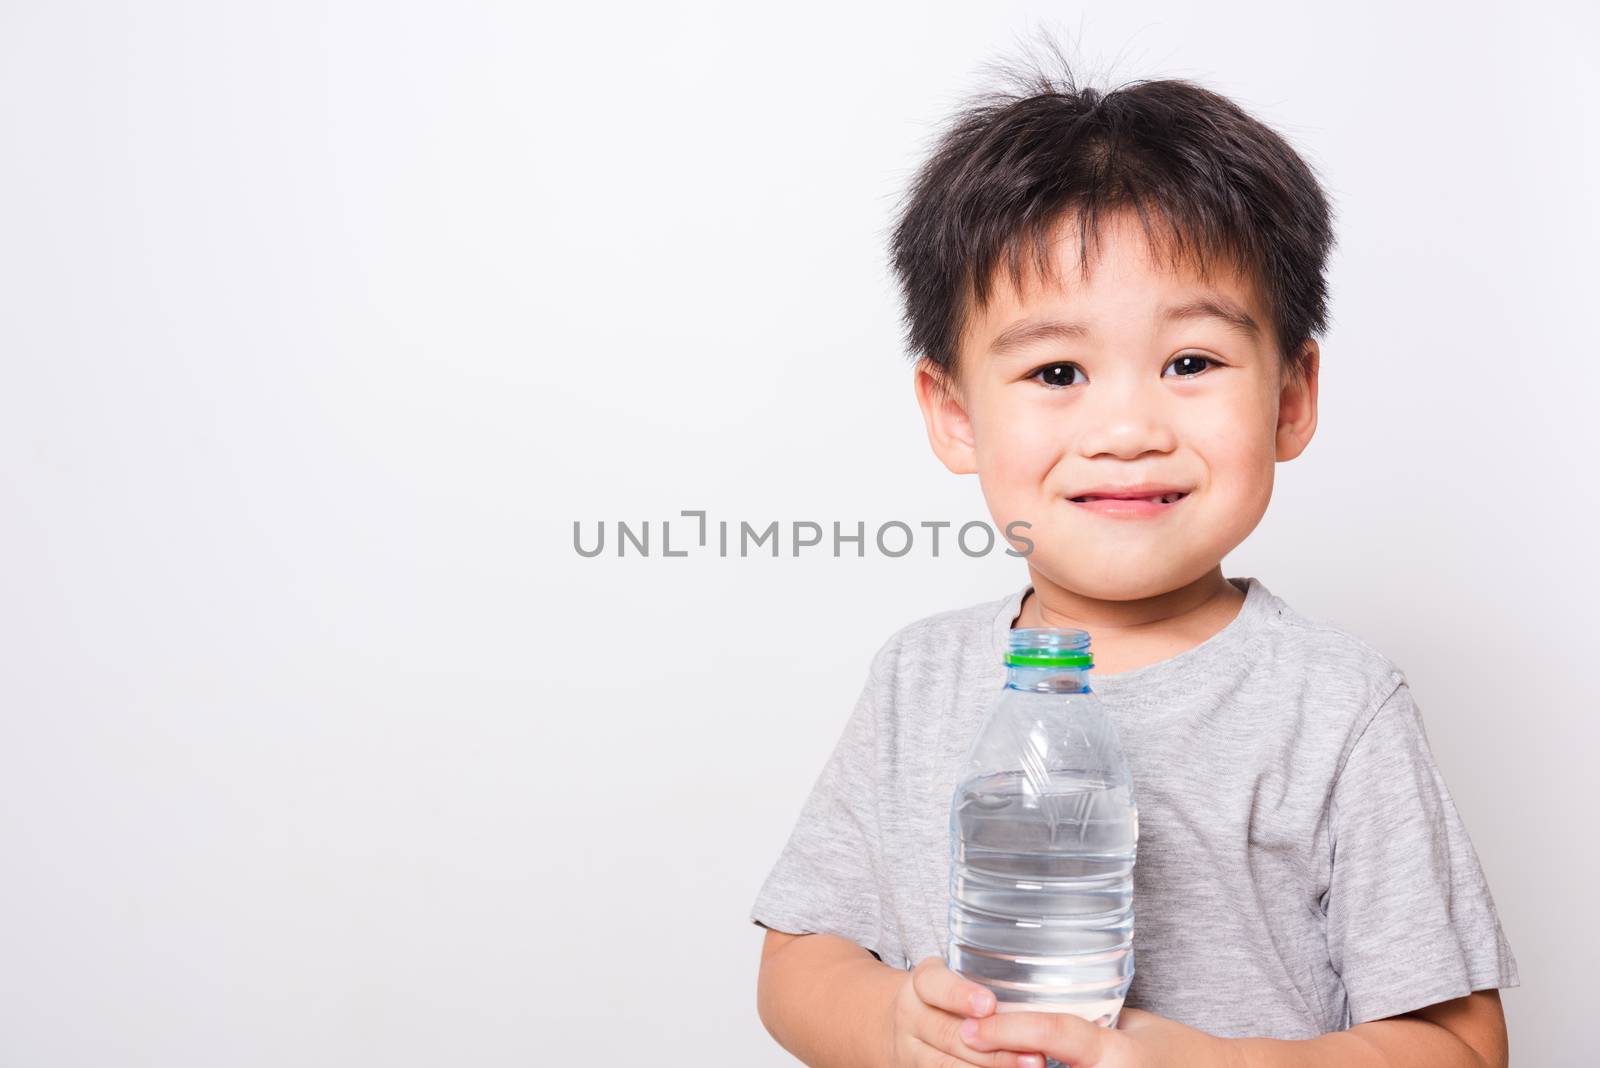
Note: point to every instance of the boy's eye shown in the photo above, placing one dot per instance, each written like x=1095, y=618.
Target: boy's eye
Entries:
x=1192, y=362
x=1055, y=374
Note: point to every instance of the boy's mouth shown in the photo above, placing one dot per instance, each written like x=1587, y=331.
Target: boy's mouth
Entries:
x=1130, y=502
x=1160, y=498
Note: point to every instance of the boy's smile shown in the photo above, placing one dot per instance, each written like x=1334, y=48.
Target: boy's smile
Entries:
x=1133, y=418
x=1131, y=502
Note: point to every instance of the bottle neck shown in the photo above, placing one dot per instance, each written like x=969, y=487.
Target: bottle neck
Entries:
x=1047, y=679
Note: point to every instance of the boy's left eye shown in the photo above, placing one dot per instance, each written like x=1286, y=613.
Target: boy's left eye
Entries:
x=1191, y=360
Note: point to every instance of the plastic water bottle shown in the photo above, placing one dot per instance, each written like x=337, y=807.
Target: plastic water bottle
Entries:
x=1043, y=830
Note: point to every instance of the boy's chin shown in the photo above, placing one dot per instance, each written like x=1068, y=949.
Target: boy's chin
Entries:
x=1121, y=580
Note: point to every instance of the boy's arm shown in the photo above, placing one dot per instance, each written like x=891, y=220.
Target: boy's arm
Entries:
x=1467, y=1032
x=826, y=1000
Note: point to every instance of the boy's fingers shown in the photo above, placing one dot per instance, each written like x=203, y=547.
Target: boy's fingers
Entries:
x=942, y=988
x=1062, y=1035
x=961, y=1056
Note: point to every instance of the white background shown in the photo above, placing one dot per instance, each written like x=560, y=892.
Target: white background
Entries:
x=320, y=745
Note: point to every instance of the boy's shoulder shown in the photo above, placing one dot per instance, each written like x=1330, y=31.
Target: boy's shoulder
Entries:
x=1314, y=678
x=1323, y=647
x=973, y=630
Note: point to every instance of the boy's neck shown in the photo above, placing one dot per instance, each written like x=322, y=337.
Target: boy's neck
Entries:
x=1125, y=635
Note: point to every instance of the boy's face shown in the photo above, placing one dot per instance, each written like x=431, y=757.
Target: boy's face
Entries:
x=1052, y=414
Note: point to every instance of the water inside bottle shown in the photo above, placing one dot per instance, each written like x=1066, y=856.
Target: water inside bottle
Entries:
x=1041, y=907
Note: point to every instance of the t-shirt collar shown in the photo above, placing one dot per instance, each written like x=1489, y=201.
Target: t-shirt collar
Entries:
x=1231, y=637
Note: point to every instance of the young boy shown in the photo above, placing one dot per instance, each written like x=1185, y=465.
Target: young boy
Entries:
x=1113, y=300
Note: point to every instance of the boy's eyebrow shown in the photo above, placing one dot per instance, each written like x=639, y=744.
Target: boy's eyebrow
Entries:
x=1214, y=307
x=1018, y=335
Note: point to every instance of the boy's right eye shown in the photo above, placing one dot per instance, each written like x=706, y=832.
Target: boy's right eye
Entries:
x=1055, y=375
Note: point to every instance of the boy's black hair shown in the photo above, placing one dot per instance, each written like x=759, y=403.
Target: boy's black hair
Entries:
x=1013, y=165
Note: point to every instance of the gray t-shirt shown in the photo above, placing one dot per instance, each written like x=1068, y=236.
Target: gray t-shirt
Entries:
x=1301, y=865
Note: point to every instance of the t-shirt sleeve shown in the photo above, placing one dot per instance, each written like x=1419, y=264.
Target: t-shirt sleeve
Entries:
x=1410, y=920
x=828, y=878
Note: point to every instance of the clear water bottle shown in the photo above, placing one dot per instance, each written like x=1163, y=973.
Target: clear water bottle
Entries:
x=1043, y=830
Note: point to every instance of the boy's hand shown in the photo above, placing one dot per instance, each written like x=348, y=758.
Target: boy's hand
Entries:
x=925, y=1022
x=1140, y=1040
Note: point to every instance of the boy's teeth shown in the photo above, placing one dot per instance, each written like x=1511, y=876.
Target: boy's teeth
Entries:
x=1170, y=498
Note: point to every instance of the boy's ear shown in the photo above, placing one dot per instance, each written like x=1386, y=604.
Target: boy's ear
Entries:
x=1297, y=406
x=949, y=428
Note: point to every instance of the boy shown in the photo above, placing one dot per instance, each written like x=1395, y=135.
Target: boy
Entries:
x=1113, y=300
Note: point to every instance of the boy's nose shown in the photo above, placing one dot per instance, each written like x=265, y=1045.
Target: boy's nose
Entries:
x=1125, y=426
